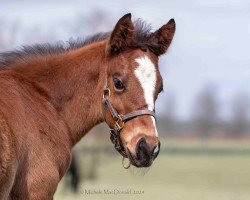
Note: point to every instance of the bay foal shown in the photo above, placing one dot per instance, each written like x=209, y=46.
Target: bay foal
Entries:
x=51, y=96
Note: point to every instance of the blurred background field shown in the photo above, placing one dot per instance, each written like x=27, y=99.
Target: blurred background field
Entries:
x=183, y=170
x=203, y=114
x=173, y=177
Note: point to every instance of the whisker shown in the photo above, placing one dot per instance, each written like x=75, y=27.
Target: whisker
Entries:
x=139, y=171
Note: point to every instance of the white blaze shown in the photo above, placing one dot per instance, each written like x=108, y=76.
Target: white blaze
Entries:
x=146, y=74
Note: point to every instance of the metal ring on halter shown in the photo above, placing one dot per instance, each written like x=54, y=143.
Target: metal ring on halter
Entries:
x=106, y=92
x=123, y=163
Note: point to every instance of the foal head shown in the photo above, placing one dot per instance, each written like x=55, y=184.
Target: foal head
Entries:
x=134, y=80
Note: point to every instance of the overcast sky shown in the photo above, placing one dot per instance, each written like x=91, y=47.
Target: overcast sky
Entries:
x=211, y=45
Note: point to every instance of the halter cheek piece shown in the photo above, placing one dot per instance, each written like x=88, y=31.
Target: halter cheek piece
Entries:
x=119, y=120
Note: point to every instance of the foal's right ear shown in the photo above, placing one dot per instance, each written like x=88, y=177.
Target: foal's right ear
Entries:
x=122, y=36
x=162, y=38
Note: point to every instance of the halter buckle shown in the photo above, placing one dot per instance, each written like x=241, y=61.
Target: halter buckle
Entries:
x=121, y=121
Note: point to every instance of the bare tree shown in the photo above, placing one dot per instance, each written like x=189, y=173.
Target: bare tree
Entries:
x=84, y=25
x=2, y=43
x=240, y=111
x=205, y=111
x=9, y=32
x=168, y=119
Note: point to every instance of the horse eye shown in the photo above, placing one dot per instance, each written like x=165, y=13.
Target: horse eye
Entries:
x=118, y=84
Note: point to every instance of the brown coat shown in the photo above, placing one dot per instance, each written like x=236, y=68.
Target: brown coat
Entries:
x=49, y=101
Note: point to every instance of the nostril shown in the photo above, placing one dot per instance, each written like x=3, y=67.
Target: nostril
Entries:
x=142, y=144
x=142, y=149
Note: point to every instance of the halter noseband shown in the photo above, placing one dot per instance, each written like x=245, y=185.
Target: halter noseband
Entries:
x=119, y=120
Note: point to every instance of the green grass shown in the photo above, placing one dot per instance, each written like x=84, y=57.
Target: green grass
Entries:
x=172, y=177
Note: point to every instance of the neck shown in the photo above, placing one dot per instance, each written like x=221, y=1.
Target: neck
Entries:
x=75, y=83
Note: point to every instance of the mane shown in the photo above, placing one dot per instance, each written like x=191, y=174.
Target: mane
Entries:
x=23, y=53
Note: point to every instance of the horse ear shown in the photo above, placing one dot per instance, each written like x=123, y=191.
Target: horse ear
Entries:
x=122, y=35
x=161, y=39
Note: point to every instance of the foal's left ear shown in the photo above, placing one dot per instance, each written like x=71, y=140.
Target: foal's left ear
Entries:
x=162, y=38
x=122, y=36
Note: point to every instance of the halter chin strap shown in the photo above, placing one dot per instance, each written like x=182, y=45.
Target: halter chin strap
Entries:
x=119, y=120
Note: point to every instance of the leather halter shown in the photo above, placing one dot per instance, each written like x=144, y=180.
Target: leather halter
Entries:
x=119, y=120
